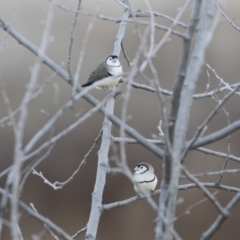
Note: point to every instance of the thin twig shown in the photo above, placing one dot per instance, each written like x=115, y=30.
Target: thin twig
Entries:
x=33, y=165
x=45, y=225
x=205, y=191
x=198, y=175
x=82, y=52
x=188, y=210
x=65, y=131
x=40, y=218
x=169, y=93
x=208, y=119
x=59, y=185
x=79, y=232
x=125, y=54
x=218, y=154
x=71, y=39
x=228, y=19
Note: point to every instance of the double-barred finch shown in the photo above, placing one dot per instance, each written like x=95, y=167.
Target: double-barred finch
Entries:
x=146, y=180
x=107, y=74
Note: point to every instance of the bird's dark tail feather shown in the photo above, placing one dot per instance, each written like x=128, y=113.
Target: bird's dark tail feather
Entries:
x=86, y=84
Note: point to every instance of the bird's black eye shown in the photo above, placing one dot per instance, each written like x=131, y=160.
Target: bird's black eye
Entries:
x=110, y=58
x=141, y=167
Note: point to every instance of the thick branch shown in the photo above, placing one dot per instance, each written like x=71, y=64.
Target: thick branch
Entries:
x=97, y=194
x=183, y=68
x=181, y=108
x=95, y=214
x=220, y=219
x=164, y=231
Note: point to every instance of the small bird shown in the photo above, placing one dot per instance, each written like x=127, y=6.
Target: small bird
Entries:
x=107, y=74
x=145, y=179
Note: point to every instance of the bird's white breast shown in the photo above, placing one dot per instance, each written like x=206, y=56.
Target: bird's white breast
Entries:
x=144, y=182
x=116, y=71
x=108, y=82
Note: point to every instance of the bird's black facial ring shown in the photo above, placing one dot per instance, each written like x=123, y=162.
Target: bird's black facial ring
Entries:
x=113, y=56
x=143, y=165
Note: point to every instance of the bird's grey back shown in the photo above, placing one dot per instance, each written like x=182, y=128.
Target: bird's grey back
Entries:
x=99, y=73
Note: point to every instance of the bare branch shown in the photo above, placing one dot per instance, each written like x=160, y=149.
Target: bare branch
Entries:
x=26, y=172
x=221, y=218
x=97, y=194
x=79, y=232
x=169, y=93
x=182, y=107
x=133, y=14
x=71, y=39
x=40, y=133
x=133, y=141
x=132, y=132
x=227, y=85
x=65, y=131
x=19, y=131
x=140, y=13
x=182, y=68
x=95, y=213
x=213, y=137
x=82, y=52
x=123, y=203
x=125, y=55
x=230, y=171
x=218, y=154
x=162, y=142
x=188, y=210
x=34, y=96
x=205, y=191
x=40, y=218
x=163, y=231
x=208, y=119
x=228, y=19
x=59, y=185
x=45, y=225
x=202, y=40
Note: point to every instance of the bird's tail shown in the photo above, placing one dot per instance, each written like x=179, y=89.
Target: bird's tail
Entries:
x=86, y=84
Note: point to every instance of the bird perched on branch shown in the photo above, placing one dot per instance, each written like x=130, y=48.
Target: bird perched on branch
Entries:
x=107, y=74
x=145, y=179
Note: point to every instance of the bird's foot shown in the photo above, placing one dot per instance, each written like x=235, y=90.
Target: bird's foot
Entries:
x=115, y=94
x=138, y=196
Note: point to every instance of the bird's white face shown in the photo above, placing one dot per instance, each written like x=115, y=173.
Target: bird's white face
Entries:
x=140, y=169
x=112, y=61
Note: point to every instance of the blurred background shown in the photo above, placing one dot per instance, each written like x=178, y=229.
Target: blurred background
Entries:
x=70, y=207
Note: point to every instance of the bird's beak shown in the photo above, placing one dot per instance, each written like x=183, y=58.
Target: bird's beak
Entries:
x=135, y=169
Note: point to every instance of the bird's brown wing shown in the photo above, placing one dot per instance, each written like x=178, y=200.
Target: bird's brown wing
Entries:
x=99, y=73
